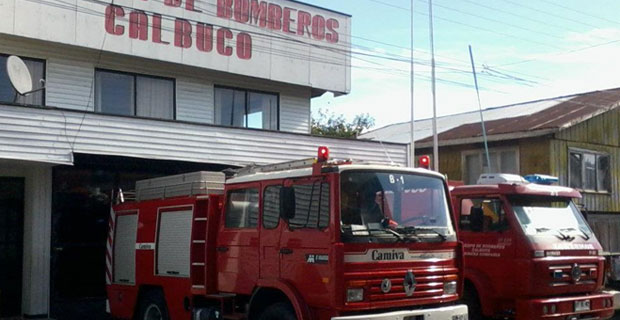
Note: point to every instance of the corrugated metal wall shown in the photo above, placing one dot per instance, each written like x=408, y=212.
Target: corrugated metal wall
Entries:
x=37, y=134
x=70, y=73
x=599, y=134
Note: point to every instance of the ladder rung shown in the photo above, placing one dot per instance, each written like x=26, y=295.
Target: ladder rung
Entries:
x=198, y=241
x=200, y=219
x=198, y=264
x=198, y=286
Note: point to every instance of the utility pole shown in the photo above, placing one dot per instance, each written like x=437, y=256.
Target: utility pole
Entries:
x=412, y=124
x=435, y=139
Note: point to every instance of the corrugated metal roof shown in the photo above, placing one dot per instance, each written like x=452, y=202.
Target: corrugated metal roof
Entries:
x=534, y=115
x=563, y=114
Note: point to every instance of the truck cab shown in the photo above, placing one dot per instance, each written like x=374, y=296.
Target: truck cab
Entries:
x=529, y=252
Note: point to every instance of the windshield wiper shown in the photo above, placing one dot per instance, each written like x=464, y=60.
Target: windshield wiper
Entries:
x=400, y=237
x=414, y=231
x=583, y=234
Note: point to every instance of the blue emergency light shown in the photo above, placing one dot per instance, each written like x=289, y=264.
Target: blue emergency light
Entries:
x=541, y=179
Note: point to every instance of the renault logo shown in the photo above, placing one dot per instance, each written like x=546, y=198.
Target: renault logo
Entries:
x=576, y=273
x=386, y=285
x=409, y=283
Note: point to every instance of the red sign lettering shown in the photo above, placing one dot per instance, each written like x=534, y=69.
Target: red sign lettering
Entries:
x=222, y=48
x=138, y=25
x=182, y=33
x=111, y=12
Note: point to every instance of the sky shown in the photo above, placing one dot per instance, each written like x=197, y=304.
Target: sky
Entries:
x=523, y=50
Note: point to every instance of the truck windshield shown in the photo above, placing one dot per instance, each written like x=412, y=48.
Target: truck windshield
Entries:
x=549, y=214
x=398, y=205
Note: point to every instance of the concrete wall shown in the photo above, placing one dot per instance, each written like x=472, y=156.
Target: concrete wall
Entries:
x=37, y=233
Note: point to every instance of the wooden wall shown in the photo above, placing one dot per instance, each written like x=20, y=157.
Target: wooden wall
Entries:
x=600, y=134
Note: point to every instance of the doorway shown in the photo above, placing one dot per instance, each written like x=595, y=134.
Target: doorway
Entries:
x=11, y=245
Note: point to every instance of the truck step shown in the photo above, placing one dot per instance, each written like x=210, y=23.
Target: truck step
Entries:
x=221, y=296
x=234, y=316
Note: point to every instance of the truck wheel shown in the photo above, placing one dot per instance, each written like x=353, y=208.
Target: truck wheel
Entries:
x=278, y=311
x=471, y=299
x=152, y=306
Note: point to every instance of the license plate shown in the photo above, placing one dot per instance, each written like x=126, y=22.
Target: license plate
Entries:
x=583, y=305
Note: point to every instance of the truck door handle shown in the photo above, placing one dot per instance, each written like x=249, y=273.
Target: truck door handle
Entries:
x=222, y=249
x=286, y=251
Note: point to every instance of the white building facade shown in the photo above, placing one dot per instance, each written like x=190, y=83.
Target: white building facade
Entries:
x=143, y=88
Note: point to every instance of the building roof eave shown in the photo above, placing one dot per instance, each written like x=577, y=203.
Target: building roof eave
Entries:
x=480, y=139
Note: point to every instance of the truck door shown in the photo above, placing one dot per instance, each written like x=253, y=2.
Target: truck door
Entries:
x=238, y=241
x=489, y=243
x=305, y=241
x=271, y=229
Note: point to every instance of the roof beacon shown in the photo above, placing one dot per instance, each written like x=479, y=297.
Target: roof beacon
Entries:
x=541, y=179
x=323, y=154
x=424, y=162
x=495, y=178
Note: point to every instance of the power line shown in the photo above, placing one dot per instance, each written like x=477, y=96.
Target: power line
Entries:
x=579, y=12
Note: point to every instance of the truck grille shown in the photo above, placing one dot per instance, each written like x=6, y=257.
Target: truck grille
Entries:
x=429, y=284
x=577, y=273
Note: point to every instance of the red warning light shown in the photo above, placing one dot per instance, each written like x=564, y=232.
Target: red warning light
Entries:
x=323, y=154
x=424, y=162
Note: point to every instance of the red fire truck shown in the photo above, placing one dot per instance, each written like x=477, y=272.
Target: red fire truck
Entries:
x=301, y=240
x=529, y=253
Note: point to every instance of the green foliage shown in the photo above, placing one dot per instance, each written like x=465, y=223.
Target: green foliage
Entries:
x=332, y=125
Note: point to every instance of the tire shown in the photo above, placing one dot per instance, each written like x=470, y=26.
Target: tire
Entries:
x=278, y=311
x=471, y=299
x=152, y=306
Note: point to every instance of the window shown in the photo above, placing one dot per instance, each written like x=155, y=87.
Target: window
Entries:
x=246, y=109
x=589, y=170
x=134, y=95
x=37, y=72
x=311, y=206
x=475, y=163
x=482, y=215
x=242, y=208
x=271, y=207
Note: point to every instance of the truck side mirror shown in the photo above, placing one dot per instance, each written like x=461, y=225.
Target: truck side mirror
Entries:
x=287, y=203
x=476, y=218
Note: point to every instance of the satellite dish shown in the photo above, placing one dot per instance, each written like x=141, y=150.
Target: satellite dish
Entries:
x=19, y=75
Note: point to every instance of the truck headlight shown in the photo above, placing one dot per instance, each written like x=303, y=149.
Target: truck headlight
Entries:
x=449, y=287
x=355, y=294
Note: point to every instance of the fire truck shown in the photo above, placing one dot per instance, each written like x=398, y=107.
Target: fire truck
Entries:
x=308, y=239
x=529, y=253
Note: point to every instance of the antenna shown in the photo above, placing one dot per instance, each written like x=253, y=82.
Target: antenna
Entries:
x=484, y=131
x=20, y=78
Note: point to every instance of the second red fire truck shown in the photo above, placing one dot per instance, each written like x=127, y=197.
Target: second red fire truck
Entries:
x=301, y=240
x=529, y=253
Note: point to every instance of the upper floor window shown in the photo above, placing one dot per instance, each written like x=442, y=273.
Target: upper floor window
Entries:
x=37, y=72
x=502, y=161
x=134, y=95
x=589, y=170
x=246, y=109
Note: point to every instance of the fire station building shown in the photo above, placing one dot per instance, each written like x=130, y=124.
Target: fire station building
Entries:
x=138, y=89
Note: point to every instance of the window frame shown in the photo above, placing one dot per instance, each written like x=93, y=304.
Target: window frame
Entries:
x=319, y=182
x=262, y=206
x=225, y=210
x=481, y=153
x=44, y=62
x=135, y=75
x=596, y=154
x=247, y=96
x=503, y=221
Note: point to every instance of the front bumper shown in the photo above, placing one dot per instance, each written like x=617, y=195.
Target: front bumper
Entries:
x=458, y=312
x=601, y=307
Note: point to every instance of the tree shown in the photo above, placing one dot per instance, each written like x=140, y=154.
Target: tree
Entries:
x=332, y=125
